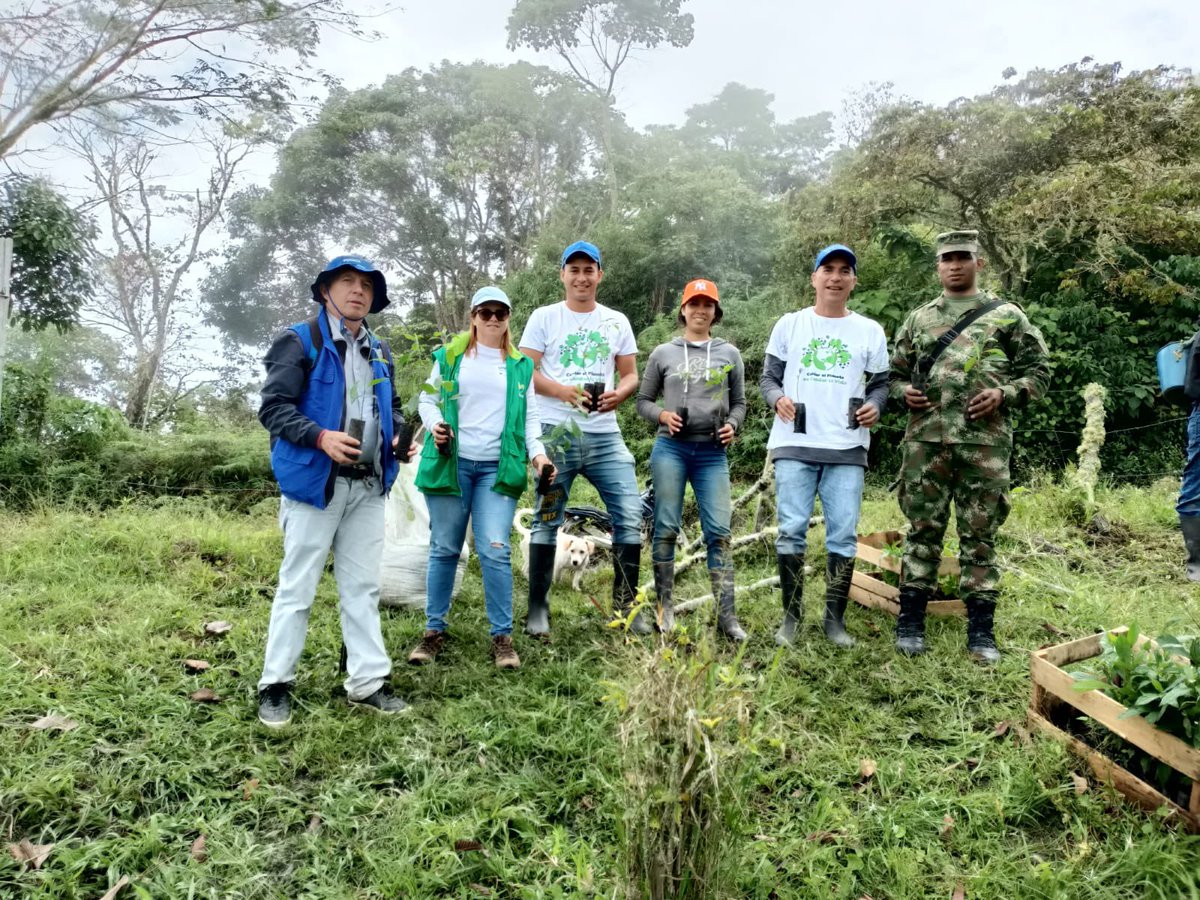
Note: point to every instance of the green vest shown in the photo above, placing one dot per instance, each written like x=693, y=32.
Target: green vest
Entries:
x=438, y=474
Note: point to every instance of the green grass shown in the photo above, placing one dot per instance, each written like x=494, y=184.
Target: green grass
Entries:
x=99, y=611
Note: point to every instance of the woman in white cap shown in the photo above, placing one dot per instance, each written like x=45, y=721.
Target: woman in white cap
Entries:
x=481, y=431
x=699, y=379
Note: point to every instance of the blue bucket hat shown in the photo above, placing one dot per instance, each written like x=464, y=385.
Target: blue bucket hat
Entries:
x=379, y=298
x=588, y=250
x=837, y=250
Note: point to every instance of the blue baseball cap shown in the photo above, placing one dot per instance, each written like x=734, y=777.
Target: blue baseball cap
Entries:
x=588, y=250
x=379, y=297
x=490, y=294
x=836, y=250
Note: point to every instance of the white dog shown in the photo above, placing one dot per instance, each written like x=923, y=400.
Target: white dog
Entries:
x=571, y=555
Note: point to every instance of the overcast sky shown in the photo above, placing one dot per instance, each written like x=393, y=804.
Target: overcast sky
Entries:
x=810, y=56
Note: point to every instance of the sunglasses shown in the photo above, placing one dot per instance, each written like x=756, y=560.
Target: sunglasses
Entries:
x=487, y=314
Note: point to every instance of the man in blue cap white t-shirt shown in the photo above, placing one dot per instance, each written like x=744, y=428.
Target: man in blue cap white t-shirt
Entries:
x=826, y=376
x=586, y=359
x=330, y=404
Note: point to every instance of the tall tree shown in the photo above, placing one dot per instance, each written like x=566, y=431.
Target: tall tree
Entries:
x=779, y=155
x=1038, y=163
x=52, y=254
x=158, y=236
x=442, y=177
x=154, y=59
x=595, y=38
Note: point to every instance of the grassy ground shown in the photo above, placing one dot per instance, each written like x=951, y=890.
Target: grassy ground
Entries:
x=98, y=613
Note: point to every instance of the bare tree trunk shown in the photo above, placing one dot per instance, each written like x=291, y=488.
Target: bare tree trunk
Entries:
x=141, y=296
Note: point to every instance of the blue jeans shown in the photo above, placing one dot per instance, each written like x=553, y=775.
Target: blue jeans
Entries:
x=840, y=488
x=603, y=460
x=1189, y=491
x=673, y=464
x=491, y=516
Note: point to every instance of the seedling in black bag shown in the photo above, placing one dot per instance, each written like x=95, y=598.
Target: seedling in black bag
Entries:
x=594, y=389
x=800, y=420
x=683, y=418
x=852, y=412
x=404, y=438
x=446, y=448
x=355, y=428
x=543, y=485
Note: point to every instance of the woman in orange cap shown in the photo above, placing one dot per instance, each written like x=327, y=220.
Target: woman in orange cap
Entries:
x=693, y=390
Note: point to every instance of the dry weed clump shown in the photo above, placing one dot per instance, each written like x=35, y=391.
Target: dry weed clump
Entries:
x=685, y=737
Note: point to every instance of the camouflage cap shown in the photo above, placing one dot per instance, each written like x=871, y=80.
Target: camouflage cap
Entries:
x=958, y=242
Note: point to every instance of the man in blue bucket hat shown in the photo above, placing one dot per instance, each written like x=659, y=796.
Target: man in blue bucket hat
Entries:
x=330, y=404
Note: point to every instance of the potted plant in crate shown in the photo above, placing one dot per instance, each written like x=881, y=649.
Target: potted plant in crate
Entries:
x=1140, y=700
x=881, y=589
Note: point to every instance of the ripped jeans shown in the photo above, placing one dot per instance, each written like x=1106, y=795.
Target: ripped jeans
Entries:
x=673, y=464
x=491, y=516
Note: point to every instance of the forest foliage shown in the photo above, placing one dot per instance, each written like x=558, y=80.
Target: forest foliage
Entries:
x=1083, y=181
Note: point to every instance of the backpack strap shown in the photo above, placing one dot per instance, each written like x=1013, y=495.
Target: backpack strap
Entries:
x=312, y=341
x=315, y=342
x=925, y=363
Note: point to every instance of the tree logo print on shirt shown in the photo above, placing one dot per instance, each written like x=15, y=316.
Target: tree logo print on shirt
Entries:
x=584, y=350
x=823, y=354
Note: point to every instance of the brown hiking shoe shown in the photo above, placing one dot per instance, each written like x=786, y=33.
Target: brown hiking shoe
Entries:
x=428, y=649
x=504, y=654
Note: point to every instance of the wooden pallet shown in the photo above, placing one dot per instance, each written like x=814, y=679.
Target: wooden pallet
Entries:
x=868, y=589
x=1053, y=687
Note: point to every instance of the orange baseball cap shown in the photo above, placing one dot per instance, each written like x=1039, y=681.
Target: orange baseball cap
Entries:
x=701, y=287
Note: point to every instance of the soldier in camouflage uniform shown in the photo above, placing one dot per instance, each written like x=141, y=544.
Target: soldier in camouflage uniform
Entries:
x=959, y=438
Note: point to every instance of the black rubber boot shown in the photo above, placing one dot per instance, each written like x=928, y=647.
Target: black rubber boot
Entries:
x=981, y=643
x=627, y=560
x=910, y=626
x=1190, y=525
x=838, y=571
x=727, y=621
x=664, y=590
x=541, y=574
x=791, y=582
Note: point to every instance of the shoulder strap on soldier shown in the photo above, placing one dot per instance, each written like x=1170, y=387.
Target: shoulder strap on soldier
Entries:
x=925, y=363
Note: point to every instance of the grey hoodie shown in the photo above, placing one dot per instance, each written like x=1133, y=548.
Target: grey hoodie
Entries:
x=713, y=392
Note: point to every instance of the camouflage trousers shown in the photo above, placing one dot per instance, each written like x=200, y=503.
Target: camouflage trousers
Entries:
x=975, y=477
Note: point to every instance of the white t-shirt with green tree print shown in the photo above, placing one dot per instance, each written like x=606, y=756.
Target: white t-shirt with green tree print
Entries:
x=578, y=348
x=826, y=362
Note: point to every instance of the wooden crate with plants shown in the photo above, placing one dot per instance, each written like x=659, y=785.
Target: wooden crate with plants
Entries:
x=880, y=590
x=1132, y=713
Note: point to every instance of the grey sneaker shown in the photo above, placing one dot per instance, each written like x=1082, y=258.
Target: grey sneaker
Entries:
x=382, y=702
x=275, y=705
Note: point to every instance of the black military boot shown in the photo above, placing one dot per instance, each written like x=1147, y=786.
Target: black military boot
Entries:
x=727, y=621
x=981, y=643
x=791, y=583
x=664, y=589
x=838, y=571
x=627, y=559
x=541, y=574
x=910, y=626
x=1190, y=525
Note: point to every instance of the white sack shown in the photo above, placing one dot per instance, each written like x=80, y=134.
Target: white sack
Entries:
x=406, y=545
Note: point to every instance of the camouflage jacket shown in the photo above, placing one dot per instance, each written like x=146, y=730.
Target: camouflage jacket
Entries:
x=1000, y=349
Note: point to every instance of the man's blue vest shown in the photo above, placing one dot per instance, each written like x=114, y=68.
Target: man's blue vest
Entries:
x=305, y=473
